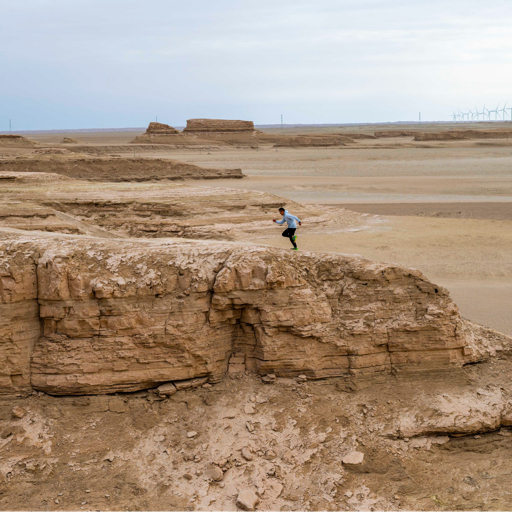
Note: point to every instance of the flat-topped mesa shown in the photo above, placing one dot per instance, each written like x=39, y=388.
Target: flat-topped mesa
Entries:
x=218, y=125
x=15, y=140
x=86, y=316
x=161, y=129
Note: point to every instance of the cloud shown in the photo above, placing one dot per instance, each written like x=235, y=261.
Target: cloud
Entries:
x=90, y=63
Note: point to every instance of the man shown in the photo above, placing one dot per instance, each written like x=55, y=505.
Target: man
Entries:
x=289, y=232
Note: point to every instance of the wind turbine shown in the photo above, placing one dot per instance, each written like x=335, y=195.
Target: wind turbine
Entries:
x=472, y=115
x=488, y=113
x=454, y=115
x=504, y=111
x=477, y=114
x=496, y=112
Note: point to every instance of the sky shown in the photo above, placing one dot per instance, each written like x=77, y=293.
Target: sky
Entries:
x=67, y=64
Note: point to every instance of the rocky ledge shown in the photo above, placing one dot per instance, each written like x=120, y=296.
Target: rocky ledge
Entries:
x=218, y=125
x=89, y=316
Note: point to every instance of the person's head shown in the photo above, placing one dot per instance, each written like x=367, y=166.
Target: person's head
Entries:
x=281, y=211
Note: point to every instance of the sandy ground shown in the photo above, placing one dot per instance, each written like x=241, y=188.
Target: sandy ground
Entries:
x=449, y=203
x=470, y=252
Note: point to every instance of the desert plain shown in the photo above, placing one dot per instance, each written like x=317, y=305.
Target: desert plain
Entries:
x=239, y=374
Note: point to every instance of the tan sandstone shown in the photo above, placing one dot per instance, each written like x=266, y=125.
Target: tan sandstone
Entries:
x=86, y=316
x=218, y=125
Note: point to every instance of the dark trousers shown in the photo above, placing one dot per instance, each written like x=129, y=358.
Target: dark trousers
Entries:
x=288, y=233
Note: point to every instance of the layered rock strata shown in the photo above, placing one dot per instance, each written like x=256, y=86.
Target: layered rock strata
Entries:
x=86, y=316
x=117, y=169
x=218, y=125
x=161, y=129
x=15, y=140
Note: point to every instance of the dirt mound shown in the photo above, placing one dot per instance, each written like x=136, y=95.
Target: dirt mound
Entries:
x=430, y=136
x=51, y=151
x=395, y=133
x=463, y=135
x=218, y=125
x=69, y=140
x=16, y=140
x=30, y=177
x=119, y=169
x=311, y=141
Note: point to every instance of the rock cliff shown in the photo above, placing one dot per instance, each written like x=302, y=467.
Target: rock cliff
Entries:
x=116, y=169
x=16, y=140
x=218, y=125
x=161, y=129
x=89, y=316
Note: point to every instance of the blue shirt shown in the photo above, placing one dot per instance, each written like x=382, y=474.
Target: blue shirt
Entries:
x=289, y=219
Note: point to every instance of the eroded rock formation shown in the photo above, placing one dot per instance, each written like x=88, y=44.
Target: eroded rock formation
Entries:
x=161, y=129
x=15, y=140
x=86, y=316
x=116, y=169
x=218, y=125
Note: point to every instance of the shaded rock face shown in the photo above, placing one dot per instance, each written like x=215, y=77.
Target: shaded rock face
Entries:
x=161, y=129
x=218, y=125
x=84, y=317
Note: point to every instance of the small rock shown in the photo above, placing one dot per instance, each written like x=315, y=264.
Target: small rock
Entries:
x=247, y=500
x=274, y=491
x=207, y=386
x=246, y=453
x=190, y=383
x=56, y=501
x=349, y=494
x=167, y=389
x=269, y=379
x=301, y=379
x=249, y=426
x=270, y=454
x=396, y=497
x=187, y=476
x=353, y=458
x=192, y=433
x=18, y=412
x=249, y=409
x=107, y=495
x=215, y=473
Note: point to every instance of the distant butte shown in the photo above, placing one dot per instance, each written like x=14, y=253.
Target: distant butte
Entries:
x=218, y=125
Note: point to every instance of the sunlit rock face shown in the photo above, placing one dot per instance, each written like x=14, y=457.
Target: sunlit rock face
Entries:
x=218, y=125
x=85, y=316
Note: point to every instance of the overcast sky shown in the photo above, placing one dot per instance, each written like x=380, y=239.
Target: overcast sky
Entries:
x=121, y=63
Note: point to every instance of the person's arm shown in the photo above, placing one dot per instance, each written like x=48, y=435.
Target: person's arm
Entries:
x=279, y=221
x=297, y=219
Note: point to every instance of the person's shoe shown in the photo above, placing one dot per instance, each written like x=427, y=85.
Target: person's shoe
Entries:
x=294, y=237
x=295, y=248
